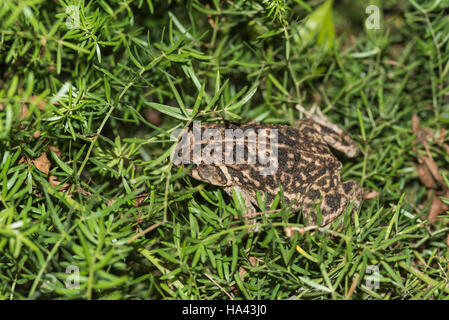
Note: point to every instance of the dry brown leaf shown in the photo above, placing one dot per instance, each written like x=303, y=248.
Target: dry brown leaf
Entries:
x=428, y=171
x=422, y=133
x=253, y=260
x=415, y=128
x=42, y=163
x=433, y=168
x=426, y=177
x=36, y=134
x=415, y=123
x=54, y=183
x=211, y=22
x=370, y=194
x=234, y=289
x=437, y=208
x=23, y=112
x=242, y=272
x=55, y=150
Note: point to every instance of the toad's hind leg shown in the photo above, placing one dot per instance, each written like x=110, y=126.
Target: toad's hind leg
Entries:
x=333, y=201
x=332, y=134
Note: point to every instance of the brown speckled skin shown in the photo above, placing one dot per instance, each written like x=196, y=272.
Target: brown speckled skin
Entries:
x=308, y=172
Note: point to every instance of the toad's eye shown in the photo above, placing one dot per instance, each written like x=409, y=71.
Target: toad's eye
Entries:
x=205, y=171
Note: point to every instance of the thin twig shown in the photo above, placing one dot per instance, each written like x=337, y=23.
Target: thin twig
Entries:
x=221, y=288
x=137, y=236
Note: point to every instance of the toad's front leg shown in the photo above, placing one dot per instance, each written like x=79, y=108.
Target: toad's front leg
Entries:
x=247, y=199
x=332, y=134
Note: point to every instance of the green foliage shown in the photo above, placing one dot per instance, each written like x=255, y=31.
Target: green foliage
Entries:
x=320, y=25
x=101, y=95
